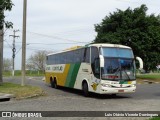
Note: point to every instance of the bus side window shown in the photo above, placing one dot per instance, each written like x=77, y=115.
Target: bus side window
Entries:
x=97, y=66
x=47, y=60
x=86, y=57
x=82, y=55
x=76, y=58
x=94, y=54
x=95, y=63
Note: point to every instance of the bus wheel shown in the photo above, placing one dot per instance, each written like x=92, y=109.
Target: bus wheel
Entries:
x=54, y=84
x=85, y=89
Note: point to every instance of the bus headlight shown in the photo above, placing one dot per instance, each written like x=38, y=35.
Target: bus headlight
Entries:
x=105, y=85
x=133, y=85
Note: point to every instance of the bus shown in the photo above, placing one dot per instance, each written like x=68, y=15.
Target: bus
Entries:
x=97, y=68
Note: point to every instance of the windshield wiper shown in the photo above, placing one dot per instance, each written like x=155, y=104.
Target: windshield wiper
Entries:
x=126, y=74
x=116, y=73
x=123, y=69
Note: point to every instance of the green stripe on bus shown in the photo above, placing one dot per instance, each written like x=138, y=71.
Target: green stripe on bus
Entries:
x=123, y=82
x=72, y=75
x=69, y=75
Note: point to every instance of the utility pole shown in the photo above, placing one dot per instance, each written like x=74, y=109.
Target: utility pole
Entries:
x=1, y=55
x=1, y=48
x=24, y=42
x=13, y=49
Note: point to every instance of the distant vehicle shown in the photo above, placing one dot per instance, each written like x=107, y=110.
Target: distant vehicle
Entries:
x=158, y=66
x=97, y=68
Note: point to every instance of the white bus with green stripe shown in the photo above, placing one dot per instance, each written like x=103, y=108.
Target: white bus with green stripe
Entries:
x=98, y=68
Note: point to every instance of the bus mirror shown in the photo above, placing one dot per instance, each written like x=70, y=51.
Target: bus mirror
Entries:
x=140, y=63
x=101, y=61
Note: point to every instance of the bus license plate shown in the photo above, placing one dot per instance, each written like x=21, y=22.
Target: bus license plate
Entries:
x=120, y=90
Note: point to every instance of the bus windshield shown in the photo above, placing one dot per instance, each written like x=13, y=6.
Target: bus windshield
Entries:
x=117, y=52
x=118, y=64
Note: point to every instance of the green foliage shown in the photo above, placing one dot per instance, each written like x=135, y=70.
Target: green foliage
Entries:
x=149, y=76
x=155, y=118
x=133, y=28
x=7, y=73
x=5, y=5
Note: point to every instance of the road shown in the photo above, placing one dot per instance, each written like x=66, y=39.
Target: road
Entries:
x=146, y=98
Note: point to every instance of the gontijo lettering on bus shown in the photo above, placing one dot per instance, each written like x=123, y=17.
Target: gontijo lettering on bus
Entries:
x=55, y=68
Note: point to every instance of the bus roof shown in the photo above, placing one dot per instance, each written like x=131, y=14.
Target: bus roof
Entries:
x=109, y=45
x=89, y=45
x=73, y=48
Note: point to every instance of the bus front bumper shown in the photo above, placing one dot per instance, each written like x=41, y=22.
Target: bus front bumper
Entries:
x=106, y=90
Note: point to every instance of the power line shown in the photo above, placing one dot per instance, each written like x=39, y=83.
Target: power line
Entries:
x=55, y=37
x=36, y=49
x=18, y=51
x=49, y=43
x=71, y=31
x=8, y=44
x=64, y=33
x=59, y=38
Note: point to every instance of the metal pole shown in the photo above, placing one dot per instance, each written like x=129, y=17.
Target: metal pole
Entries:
x=24, y=42
x=1, y=55
x=13, y=50
x=13, y=56
x=1, y=50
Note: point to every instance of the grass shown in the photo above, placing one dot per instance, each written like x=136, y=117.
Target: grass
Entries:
x=28, y=73
x=21, y=92
x=153, y=77
x=155, y=118
x=149, y=76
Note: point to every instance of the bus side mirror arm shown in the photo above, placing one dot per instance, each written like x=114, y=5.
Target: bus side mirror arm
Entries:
x=101, y=61
x=140, y=63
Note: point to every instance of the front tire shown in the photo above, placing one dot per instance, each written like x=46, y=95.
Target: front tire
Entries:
x=85, y=89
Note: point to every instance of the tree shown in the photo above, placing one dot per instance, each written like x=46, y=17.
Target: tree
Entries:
x=133, y=28
x=5, y=5
x=7, y=64
x=37, y=61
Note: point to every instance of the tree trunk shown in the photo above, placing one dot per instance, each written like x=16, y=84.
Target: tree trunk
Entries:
x=1, y=56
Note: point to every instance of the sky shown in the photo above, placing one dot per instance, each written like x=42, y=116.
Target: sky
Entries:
x=55, y=25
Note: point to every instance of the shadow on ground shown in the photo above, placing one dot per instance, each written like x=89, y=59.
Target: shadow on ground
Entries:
x=92, y=95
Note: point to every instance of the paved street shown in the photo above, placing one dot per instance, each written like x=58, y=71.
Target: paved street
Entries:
x=146, y=98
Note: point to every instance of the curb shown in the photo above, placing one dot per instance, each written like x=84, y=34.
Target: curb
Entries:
x=150, y=82
x=5, y=97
